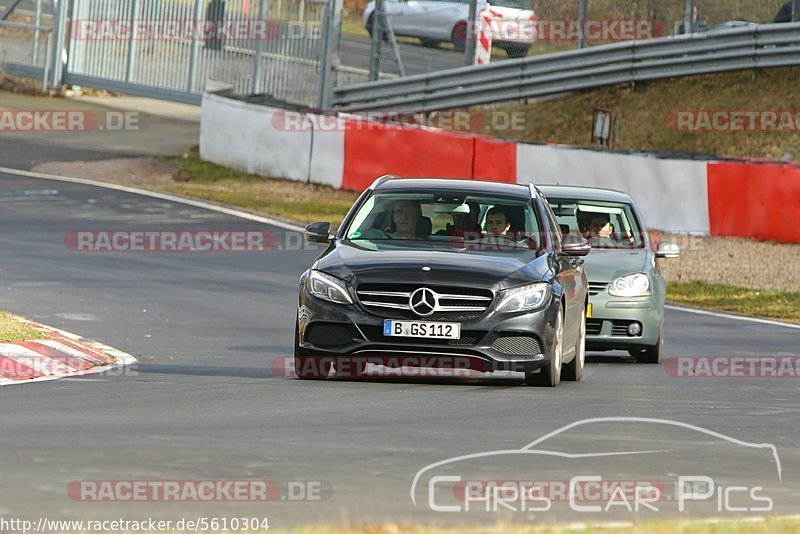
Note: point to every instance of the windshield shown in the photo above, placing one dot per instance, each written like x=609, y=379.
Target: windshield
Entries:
x=609, y=225
x=430, y=220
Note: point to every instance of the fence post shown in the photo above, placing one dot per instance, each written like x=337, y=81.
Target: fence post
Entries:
x=583, y=14
x=257, y=70
x=377, y=39
x=471, y=27
x=37, y=21
x=198, y=14
x=688, y=23
x=60, y=8
x=132, y=41
x=328, y=58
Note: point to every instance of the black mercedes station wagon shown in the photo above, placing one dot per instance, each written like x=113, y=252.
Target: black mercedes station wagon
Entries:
x=444, y=273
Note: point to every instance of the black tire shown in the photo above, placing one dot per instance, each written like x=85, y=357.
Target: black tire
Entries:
x=370, y=20
x=573, y=371
x=652, y=354
x=459, y=36
x=309, y=367
x=550, y=374
x=429, y=43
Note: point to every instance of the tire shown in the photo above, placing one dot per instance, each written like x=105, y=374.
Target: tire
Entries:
x=652, y=354
x=309, y=367
x=550, y=374
x=459, y=36
x=573, y=371
x=370, y=20
x=429, y=43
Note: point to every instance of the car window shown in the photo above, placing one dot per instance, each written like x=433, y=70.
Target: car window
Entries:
x=604, y=224
x=427, y=219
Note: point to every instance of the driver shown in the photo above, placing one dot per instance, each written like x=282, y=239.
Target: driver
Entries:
x=497, y=222
x=405, y=216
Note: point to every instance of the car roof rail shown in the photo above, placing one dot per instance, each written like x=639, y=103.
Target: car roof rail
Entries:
x=534, y=191
x=382, y=179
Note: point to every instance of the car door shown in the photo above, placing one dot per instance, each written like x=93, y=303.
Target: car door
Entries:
x=569, y=272
x=408, y=17
x=443, y=15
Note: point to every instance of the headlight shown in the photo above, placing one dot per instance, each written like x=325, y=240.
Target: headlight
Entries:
x=632, y=285
x=328, y=288
x=525, y=298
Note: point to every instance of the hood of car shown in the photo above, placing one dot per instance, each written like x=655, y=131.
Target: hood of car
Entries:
x=496, y=270
x=606, y=265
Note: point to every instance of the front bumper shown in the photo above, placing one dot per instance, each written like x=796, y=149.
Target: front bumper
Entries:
x=607, y=328
x=350, y=333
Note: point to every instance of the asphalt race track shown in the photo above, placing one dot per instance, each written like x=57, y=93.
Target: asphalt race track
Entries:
x=206, y=403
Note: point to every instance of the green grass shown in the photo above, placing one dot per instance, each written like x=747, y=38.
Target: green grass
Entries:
x=299, y=202
x=13, y=330
x=643, y=110
x=769, y=304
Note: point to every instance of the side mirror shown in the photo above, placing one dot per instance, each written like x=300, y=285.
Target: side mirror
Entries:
x=668, y=250
x=575, y=245
x=318, y=232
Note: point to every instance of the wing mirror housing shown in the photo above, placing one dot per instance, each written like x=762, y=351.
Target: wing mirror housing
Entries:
x=575, y=245
x=668, y=250
x=318, y=232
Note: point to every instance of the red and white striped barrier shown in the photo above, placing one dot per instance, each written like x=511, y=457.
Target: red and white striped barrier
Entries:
x=483, y=47
x=744, y=199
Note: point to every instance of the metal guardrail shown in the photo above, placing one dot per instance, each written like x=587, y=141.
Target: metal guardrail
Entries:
x=759, y=46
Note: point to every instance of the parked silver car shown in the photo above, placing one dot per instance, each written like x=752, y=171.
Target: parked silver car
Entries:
x=626, y=289
x=437, y=21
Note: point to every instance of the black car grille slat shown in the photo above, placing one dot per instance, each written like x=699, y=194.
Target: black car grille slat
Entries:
x=515, y=345
x=594, y=326
x=620, y=328
x=381, y=300
x=597, y=287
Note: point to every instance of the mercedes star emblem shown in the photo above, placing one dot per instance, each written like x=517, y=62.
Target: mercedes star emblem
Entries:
x=423, y=302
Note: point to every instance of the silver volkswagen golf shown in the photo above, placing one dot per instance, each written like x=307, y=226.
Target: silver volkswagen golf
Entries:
x=626, y=289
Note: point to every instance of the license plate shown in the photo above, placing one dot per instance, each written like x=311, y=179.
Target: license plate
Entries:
x=421, y=329
x=588, y=310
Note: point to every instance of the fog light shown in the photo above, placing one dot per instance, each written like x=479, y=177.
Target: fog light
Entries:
x=634, y=329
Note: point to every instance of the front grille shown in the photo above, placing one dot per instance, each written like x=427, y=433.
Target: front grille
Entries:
x=593, y=327
x=469, y=338
x=516, y=345
x=391, y=301
x=597, y=287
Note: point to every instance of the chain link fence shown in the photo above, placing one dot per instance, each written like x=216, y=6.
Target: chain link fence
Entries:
x=431, y=34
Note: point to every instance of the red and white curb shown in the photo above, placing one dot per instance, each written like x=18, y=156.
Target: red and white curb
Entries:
x=60, y=355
